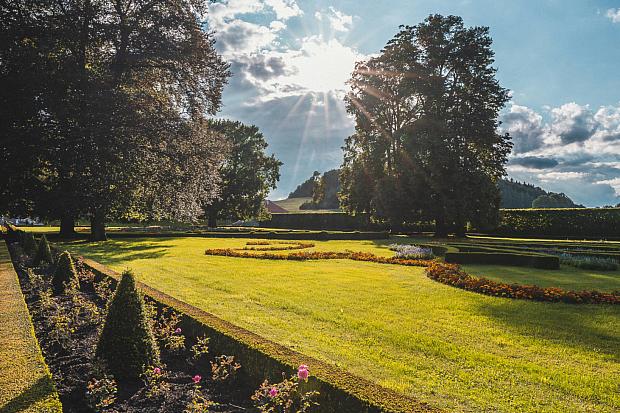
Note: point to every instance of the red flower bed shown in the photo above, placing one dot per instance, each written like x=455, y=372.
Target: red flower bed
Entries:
x=453, y=275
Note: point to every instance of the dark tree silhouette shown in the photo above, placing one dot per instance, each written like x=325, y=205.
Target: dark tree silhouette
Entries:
x=112, y=121
x=426, y=144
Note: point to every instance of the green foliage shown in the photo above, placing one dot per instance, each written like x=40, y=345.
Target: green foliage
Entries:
x=589, y=262
x=248, y=174
x=325, y=191
x=44, y=253
x=65, y=277
x=553, y=200
x=126, y=344
x=577, y=222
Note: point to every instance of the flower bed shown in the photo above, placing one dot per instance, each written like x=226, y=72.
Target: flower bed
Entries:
x=453, y=275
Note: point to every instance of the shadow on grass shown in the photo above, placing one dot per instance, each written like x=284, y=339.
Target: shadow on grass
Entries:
x=592, y=328
x=117, y=251
x=40, y=390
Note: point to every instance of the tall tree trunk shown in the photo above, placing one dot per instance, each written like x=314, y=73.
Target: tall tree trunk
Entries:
x=97, y=226
x=212, y=218
x=67, y=225
x=441, y=229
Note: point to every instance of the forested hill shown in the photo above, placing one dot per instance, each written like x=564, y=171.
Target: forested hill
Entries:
x=514, y=194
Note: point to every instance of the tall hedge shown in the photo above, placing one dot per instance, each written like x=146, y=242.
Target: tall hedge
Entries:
x=65, y=276
x=126, y=343
x=573, y=222
x=44, y=254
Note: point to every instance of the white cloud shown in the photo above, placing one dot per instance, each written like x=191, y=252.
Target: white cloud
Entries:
x=525, y=126
x=560, y=176
x=284, y=9
x=337, y=20
x=318, y=65
x=613, y=15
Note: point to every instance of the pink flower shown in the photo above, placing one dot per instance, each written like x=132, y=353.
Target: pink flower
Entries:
x=273, y=392
x=178, y=330
x=302, y=372
x=196, y=379
x=157, y=370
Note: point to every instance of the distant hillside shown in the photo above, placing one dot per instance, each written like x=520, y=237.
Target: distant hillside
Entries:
x=514, y=194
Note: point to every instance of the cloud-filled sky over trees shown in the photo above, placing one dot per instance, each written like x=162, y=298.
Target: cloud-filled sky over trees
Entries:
x=290, y=60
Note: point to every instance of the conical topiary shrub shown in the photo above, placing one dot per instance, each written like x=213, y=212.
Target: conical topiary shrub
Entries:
x=29, y=244
x=65, y=276
x=44, y=254
x=126, y=344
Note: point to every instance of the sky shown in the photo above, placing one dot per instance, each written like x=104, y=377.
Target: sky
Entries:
x=290, y=60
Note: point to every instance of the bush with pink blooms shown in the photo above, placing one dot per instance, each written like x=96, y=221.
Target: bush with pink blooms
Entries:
x=287, y=396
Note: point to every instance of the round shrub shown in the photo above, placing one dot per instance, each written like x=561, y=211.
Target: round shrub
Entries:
x=44, y=254
x=65, y=276
x=126, y=343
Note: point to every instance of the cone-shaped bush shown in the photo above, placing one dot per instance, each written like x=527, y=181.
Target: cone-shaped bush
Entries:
x=29, y=244
x=44, y=254
x=126, y=343
x=65, y=276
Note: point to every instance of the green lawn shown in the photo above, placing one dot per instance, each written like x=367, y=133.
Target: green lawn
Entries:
x=454, y=349
x=567, y=277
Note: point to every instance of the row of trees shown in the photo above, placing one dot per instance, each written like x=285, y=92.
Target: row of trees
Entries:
x=105, y=109
x=426, y=144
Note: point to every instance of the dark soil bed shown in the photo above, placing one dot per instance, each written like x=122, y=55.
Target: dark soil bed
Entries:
x=67, y=328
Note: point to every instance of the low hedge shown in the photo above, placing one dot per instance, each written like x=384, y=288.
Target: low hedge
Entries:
x=548, y=262
x=260, y=358
x=453, y=275
x=26, y=384
x=580, y=222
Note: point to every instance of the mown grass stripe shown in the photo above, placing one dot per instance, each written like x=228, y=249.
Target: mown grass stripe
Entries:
x=25, y=382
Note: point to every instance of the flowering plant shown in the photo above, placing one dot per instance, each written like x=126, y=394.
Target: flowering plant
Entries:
x=287, y=396
x=414, y=252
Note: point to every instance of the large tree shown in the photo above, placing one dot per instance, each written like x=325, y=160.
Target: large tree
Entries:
x=426, y=144
x=248, y=173
x=119, y=124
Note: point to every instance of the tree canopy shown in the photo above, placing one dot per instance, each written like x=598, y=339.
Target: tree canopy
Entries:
x=115, y=119
x=426, y=144
x=248, y=173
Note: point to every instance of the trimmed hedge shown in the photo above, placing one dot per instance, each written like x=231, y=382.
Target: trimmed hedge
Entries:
x=26, y=384
x=260, y=358
x=64, y=277
x=326, y=221
x=577, y=222
x=548, y=262
x=43, y=254
x=126, y=342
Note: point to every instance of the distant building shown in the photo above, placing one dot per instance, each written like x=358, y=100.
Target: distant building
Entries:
x=274, y=208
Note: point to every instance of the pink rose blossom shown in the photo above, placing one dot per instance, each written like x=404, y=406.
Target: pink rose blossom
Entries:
x=157, y=370
x=273, y=392
x=178, y=330
x=196, y=379
x=302, y=372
